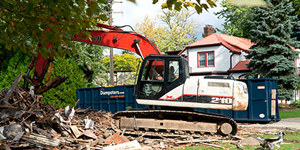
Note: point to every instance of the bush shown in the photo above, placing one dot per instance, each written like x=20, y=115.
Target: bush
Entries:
x=11, y=65
x=65, y=94
x=296, y=104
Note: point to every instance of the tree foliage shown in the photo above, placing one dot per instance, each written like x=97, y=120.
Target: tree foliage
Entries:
x=236, y=19
x=128, y=66
x=11, y=65
x=178, y=5
x=272, y=56
x=296, y=5
x=24, y=23
x=65, y=94
x=174, y=32
x=124, y=62
x=89, y=58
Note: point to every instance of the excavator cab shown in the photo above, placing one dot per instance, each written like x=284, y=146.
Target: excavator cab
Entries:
x=160, y=74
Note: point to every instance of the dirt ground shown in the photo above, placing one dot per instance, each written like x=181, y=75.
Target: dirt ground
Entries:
x=288, y=108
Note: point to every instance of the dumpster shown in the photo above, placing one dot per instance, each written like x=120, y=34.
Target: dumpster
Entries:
x=110, y=99
x=262, y=105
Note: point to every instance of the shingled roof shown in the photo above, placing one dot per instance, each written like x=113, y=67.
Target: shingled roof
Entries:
x=234, y=44
x=240, y=66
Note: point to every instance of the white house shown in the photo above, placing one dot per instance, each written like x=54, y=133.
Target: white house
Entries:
x=218, y=54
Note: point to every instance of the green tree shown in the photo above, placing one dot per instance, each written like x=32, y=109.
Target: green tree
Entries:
x=236, y=21
x=175, y=32
x=24, y=23
x=89, y=61
x=11, y=65
x=124, y=62
x=271, y=56
x=296, y=30
x=65, y=94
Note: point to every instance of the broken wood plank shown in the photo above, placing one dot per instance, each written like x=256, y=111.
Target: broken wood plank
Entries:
x=97, y=142
x=6, y=147
x=9, y=107
x=18, y=137
x=12, y=88
x=75, y=131
x=79, y=140
x=41, y=140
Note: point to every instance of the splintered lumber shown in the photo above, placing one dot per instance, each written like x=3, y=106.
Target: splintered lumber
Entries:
x=41, y=140
x=12, y=88
x=75, y=131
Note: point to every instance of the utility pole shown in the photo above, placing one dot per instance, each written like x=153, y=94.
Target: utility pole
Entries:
x=111, y=53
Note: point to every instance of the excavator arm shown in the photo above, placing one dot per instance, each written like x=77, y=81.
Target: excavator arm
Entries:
x=117, y=38
x=114, y=37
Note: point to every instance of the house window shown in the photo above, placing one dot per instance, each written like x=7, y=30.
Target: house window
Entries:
x=206, y=59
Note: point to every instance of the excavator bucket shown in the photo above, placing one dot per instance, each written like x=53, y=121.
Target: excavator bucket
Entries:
x=56, y=81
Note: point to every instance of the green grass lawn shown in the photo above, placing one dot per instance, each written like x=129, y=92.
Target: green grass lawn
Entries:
x=290, y=113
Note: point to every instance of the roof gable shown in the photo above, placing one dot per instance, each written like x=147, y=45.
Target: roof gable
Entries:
x=234, y=44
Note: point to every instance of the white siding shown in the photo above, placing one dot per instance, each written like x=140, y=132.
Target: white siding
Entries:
x=222, y=59
x=237, y=58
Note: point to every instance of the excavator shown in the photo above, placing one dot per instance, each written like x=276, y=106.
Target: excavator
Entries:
x=164, y=84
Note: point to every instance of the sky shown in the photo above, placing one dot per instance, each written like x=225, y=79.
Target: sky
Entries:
x=128, y=13
x=135, y=13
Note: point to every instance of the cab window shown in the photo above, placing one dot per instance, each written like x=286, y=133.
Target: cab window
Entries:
x=173, y=71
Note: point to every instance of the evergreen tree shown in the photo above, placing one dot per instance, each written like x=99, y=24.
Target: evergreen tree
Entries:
x=272, y=56
x=65, y=94
x=11, y=65
x=296, y=30
x=88, y=59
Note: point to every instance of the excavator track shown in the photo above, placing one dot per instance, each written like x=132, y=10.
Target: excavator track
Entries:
x=173, y=123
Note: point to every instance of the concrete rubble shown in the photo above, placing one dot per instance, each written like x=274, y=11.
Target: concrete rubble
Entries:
x=26, y=123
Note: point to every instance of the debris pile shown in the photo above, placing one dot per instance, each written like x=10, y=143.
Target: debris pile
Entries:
x=26, y=123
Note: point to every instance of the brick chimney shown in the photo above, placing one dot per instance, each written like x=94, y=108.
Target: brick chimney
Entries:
x=208, y=30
